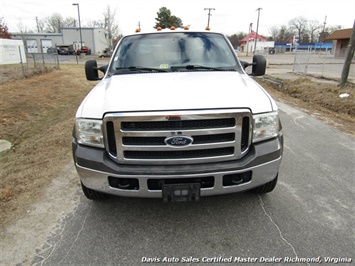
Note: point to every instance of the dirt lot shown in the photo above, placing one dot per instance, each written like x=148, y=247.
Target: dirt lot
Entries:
x=36, y=116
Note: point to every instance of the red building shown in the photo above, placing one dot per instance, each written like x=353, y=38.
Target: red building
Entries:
x=247, y=44
x=341, y=40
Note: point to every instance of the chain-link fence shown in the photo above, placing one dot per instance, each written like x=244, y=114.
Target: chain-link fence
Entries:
x=23, y=64
x=320, y=63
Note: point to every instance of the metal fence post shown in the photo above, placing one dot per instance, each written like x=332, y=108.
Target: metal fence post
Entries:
x=44, y=65
x=325, y=57
x=56, y=49
x=23, y=70
x=294, y=59
x=307, y=63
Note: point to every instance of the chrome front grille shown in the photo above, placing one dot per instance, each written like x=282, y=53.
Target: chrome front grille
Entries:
x=140, y=137
x=178, y=124
x=198, y=139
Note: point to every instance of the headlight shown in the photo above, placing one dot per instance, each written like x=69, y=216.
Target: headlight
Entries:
x=265, y=126
x=89, y=132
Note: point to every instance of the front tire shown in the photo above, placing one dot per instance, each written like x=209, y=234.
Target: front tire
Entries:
x=93, y=194
x=266, y=188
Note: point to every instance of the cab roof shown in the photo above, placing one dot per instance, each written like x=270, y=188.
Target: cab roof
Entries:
x=171, y=29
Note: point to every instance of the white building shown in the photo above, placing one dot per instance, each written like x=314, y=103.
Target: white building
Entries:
x=95, y=38
x=247, y=44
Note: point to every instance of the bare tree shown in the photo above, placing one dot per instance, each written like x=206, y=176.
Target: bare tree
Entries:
x=284, y=34
x=330, y=29
x=96, y=24
x=313, y=27
x=54, y=23
x=110, y=25
x=326, y=31
x=300, y=25
x=69, y=22
x=41, y=24
x=274, y=32
x=22, y=28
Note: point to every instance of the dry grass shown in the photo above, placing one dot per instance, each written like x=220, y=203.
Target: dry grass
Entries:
x=319, y=98
x=10, y=73
x=36, y=116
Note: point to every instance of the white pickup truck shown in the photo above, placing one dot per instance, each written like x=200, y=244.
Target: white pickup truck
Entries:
x=175, y=116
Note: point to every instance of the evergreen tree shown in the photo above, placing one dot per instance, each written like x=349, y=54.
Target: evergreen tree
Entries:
x=166, y=20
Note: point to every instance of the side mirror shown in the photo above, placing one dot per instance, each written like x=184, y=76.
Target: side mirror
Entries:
x=91, y=70
x=259, y=65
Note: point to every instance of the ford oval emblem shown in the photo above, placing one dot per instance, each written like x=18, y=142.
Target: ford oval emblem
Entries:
x=178, y=141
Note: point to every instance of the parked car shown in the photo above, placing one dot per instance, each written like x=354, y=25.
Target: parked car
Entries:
x=63, y=49
x=272, y=50
x=52, y=50
x=84, y=50
x=71, y=49
x=106, y=54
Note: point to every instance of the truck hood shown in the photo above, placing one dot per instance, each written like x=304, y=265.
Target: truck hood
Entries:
x=175, y=91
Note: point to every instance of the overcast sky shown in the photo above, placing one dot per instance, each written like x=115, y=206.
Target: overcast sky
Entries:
x=229, y=16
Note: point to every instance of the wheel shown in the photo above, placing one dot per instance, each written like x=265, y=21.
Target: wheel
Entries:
x=266, y=188
x=93, y=194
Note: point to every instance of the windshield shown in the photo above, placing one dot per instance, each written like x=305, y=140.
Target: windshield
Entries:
x=168, y=51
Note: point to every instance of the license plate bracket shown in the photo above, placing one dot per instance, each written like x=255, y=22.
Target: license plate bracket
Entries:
x=181, y=192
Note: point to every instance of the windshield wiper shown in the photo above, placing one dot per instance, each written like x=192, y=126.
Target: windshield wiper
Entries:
x=138, y=68
x=188, y=67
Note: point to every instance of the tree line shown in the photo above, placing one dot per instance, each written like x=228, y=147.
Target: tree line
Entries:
x=306, y=31
x=55, y=22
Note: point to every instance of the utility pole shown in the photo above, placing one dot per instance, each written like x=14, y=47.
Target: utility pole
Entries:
x=37, y=24
x=349, y=56
x=209, y=14
x=257, y=28
x=325, y=22
x=250, y=30
x=81, y=37
x=322, y=36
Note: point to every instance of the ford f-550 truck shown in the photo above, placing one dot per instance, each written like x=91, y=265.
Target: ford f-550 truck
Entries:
x=175, y=116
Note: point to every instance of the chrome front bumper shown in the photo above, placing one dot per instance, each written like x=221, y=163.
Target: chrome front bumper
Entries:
x=95, y=168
